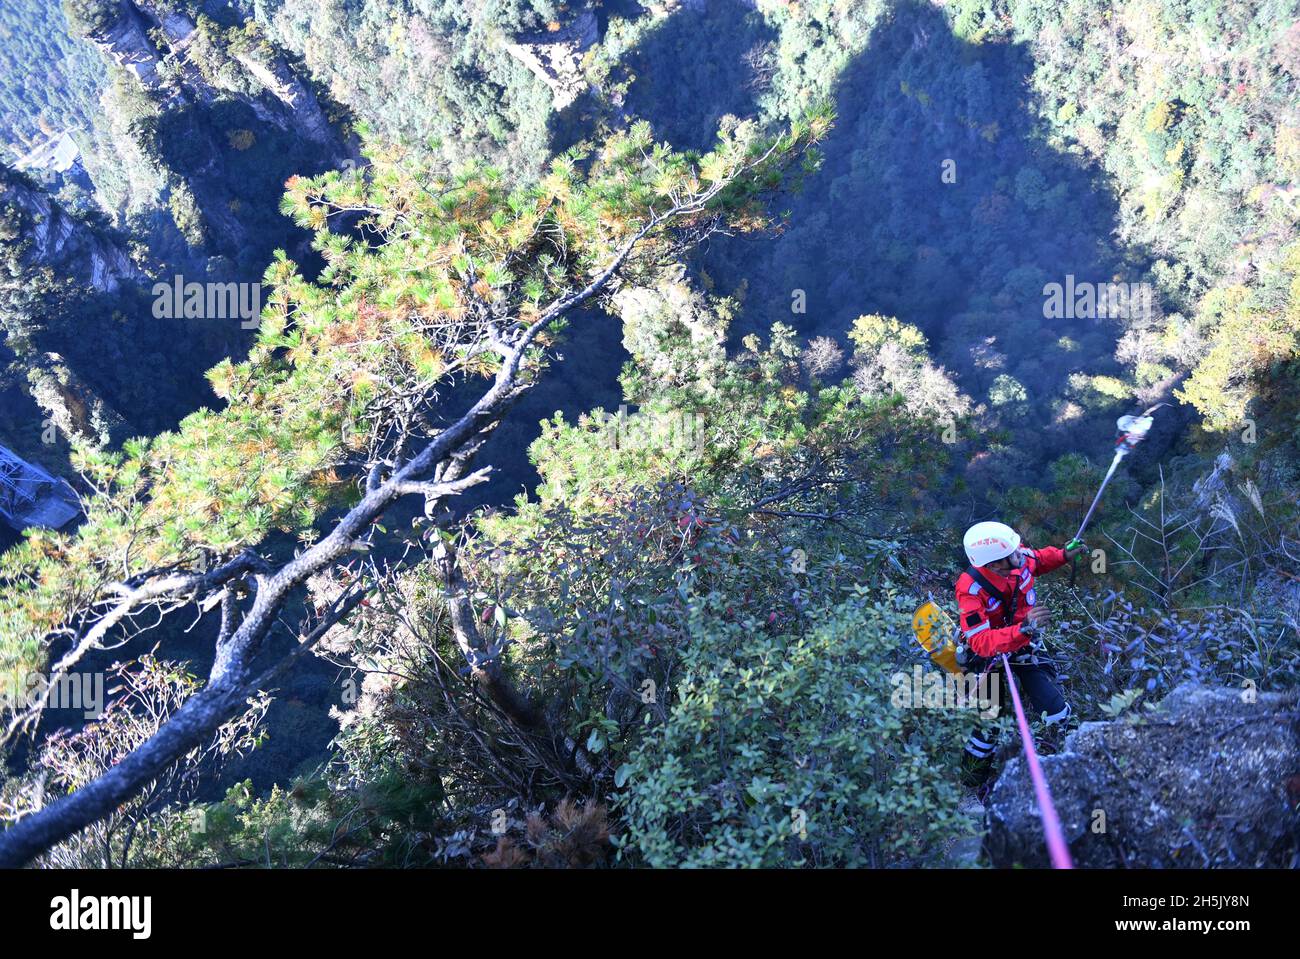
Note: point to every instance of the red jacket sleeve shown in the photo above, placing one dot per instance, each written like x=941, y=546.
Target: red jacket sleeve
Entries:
x=982, y=638
x=1047, y=559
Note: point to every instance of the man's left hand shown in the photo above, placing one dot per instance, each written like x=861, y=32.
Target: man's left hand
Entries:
x=1074, y=547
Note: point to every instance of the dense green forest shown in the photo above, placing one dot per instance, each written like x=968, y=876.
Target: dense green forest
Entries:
x=624, y=380
x=62, y=77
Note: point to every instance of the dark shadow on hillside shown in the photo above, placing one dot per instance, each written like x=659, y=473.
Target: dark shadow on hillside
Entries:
x=236, y=164
x=150, y=368
x=586, y=377
x=877, y=230
x=20, y=431
x=684, y=85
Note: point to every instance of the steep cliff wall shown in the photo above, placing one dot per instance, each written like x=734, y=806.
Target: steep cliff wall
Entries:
x=1209, y=779
x=54, y=238
x=52, y=262
x=213, y=106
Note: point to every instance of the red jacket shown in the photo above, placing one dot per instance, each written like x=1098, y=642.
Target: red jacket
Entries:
x=983, y=620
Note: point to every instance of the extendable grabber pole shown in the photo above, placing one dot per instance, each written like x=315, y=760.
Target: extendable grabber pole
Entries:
x=1132, y=431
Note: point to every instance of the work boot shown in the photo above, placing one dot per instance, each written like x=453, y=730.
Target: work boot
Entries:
x=975, y=772
x=1051, y=739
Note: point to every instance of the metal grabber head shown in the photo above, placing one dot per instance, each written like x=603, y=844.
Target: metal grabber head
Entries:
x=1133, y=429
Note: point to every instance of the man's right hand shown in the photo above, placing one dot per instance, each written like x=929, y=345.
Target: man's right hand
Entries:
x=1035, y=619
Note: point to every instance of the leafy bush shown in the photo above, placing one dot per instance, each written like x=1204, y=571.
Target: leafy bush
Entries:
x=91, y=16
x=784, y=750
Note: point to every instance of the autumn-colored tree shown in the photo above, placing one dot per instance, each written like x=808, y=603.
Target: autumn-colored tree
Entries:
x=431, y=283
x=1247, y=331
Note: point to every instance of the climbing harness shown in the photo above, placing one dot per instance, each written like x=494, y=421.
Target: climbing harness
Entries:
x=1056, y=846
x=967, y=658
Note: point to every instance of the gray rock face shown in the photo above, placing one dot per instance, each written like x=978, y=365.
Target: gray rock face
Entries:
x=68, y=245
x=167, y=52
x=556, y=58
x=77, y=411
x=127, y=42
x=299, y=103
x=1205, y=779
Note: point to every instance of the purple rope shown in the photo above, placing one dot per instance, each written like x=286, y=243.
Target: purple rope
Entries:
x=1051, y=822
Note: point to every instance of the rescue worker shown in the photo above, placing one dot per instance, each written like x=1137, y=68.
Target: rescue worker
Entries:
x=999, y=613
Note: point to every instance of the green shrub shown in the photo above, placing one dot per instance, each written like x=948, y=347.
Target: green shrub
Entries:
x=772, y=732
x=91, y=16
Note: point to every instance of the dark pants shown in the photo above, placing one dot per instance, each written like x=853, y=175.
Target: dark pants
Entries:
x=1037, y=679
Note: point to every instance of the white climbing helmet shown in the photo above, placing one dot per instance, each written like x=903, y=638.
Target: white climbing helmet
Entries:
x=989, y=542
